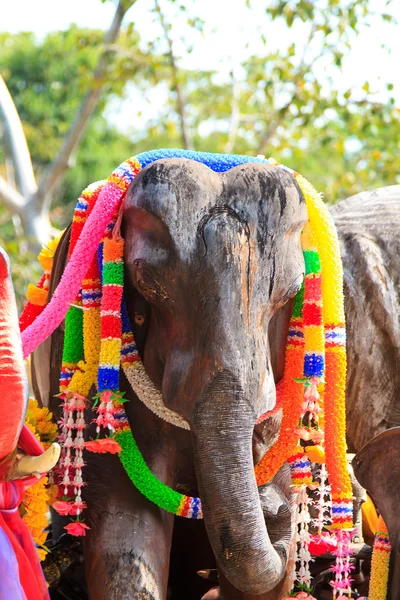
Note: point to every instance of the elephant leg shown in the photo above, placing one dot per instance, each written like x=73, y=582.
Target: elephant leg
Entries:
x=228, y=592
x=127, y=550
x=225, y=591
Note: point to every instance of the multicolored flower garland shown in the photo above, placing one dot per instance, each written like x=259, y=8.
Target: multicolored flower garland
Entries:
x=37, y=295
x=380, y=563
x=316, y=333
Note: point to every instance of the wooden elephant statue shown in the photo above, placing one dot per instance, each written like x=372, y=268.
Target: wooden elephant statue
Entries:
x=202, y=251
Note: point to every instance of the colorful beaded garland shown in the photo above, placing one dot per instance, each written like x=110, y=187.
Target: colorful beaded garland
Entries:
x=92, y=243
x=380, y=563
x=37, y=294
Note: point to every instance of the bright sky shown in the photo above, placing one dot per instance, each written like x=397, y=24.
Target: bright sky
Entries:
x=231, y=34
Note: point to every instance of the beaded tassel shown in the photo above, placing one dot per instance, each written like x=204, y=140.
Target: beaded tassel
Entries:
x=302, y=576
x=323, y=504
x=342, y=569
x=311, y=401
x=69, y=469
x=65, y=438
x=79, y=441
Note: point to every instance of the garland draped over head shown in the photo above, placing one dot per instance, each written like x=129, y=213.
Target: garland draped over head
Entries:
x=98, y=339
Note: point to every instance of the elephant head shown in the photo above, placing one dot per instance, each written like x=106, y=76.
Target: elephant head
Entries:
x=214, y=256
x=14, y=393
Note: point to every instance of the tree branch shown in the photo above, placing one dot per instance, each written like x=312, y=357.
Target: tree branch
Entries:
x=14, y=201
x=16, y=141
x=235, y=115
x=282, y=112
x=273, y=126
x=62, y=161
x=180, y=102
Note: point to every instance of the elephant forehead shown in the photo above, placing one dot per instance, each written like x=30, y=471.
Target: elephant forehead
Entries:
x=184, y=195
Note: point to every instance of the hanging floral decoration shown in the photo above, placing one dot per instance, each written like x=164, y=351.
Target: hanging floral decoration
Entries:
x=99, y=341
x=37, y=295
x=380, y=563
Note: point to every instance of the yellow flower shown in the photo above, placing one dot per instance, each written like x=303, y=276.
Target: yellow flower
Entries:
x=46, y=255
x=380, y=563
x=316, y=454
x=37, y=498
x=47, y=428
x=52, y=493
x=39, y=421
x=42, y=553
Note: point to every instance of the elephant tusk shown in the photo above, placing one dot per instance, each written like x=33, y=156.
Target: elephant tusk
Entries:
x=29, y=465
x=209, y=574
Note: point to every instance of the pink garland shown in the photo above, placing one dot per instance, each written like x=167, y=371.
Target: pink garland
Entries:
x=342, y=583
x=76, y=269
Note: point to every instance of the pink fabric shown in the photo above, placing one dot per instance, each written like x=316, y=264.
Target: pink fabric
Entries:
x=76, y=269
x=10, y=586
x=13, y=387
x=29, y=443
x=32, y=584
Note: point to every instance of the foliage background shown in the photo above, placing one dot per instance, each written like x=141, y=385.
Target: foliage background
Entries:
x=287, y=101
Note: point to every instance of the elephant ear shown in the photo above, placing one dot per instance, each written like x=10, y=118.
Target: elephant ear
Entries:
x=377, y=468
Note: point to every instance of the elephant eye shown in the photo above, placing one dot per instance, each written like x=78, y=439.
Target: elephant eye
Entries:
x=140, y=319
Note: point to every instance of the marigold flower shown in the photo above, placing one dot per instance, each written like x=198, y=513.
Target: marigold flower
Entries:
x=52, y=494
x=316, y=454
x=35, y=509
x=42, y=553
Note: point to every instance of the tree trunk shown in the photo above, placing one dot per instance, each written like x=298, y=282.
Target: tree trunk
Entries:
x=32, y=202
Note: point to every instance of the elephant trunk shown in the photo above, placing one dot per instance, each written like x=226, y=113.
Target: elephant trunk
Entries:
x=222, y=436
x=13, y=385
